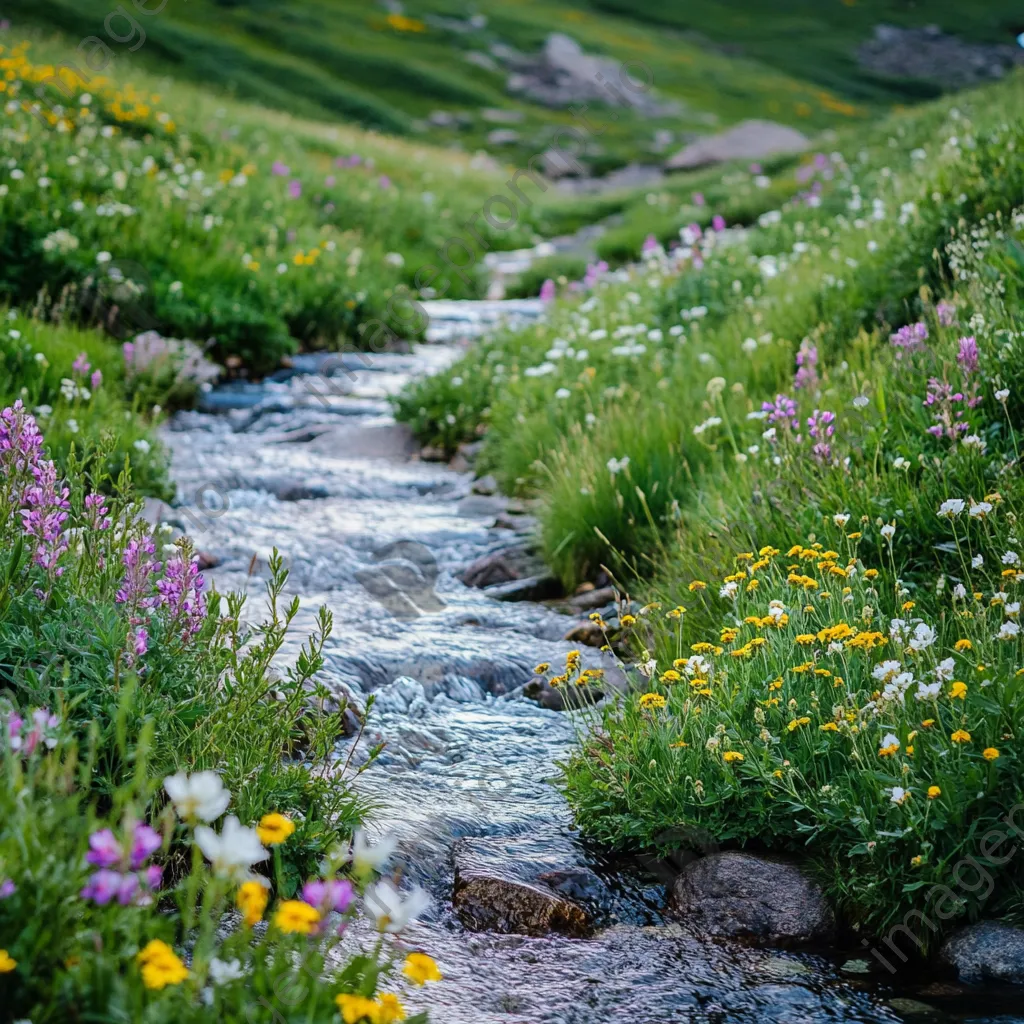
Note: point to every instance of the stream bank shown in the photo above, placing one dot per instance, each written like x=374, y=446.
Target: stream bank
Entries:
x=319, y=469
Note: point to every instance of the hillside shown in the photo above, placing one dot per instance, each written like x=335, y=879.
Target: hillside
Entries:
x=441, y=70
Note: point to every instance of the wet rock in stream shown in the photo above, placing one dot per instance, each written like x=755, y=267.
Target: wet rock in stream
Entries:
x=502, y=885
x=986, y=951
x=740, y=896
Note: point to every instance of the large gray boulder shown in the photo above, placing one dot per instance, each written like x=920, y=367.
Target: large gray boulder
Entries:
x=986, y=951
x=741, y=896
x=749, y=140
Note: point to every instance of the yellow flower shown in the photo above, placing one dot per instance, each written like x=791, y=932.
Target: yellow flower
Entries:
x=670, y=676
x=251, y=899
x=160, y=965
x=627, y=620
x=389, y=1009
x=7, y=962
x=732, y=757
x=542, y=668
x=871, y=574
x=356, y=1008
x=829, y=727
x=698, y=585
x=961, y=736
x=420, y=968
x=962, y=645
x=274, y=829
x=296, y=916
x=806, y=639
x=652, y=700
x=958, y=691
x=796, y=723
x=927, y=723
x=916, y=862
x=990, y=753
x=934, y=792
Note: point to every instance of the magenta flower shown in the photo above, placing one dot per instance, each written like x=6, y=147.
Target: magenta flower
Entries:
x=336, y=894
x=547, y=291
x=145, y=842
x=140, y=643
x=910, y=338
x=295, y=188
x=96, y=512
x=135, y=589
x=967, y=357
x=946, y=312
x=81, y=364
x=698, y=199
x=384, y=181
x=718, y=222
x=7, y=888
x=181, y=592
x=280, y=169
x=782, y=410
x=103, y=886
x=128, y=351
x=104, y=849
x=821, y=427
x=650, y=245
x=330, y=180
x=807, y=366
x=96, y=379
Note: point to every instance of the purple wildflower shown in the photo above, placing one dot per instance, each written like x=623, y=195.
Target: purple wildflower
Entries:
x=330, y=180
x=946, y=312
x=102, y=887
x=96, y=379
x=141, y=641
x=282, y=170
x=782, y=410
x=910, y=338
x=96, y=512
x=135, y=588
x=81, y=364
x=384, y=181
x=44, y=515
x=295, y=188
x=547, y=291
x=807, y=366
x=104, y=849
x=7, y=889
x=821, y=427
x=336, y=894
x=181, y=591
x=698, y=199
x=650, y=245
x=718, y=222
x=145, y=842
x=967, y=357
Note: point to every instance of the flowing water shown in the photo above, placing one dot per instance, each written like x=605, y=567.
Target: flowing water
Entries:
x=317, y=468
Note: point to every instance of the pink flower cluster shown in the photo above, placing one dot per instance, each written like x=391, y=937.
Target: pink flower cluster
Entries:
x=910, y=338
x=807, y=366
x=123, y=874
x=332, y=895
x=25, y=736
x=948, y=408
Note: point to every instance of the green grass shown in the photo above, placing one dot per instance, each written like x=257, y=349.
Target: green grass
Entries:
x=340, y=58
x=817, y=41
x=654, y=457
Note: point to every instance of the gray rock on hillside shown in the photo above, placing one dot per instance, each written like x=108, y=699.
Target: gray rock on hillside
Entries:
x=749, y=140
x=562, y=74
x=986, y=951
x=741, y=896
x=930, y=54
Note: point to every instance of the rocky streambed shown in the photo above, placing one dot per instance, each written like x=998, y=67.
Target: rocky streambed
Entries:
x=528, y=925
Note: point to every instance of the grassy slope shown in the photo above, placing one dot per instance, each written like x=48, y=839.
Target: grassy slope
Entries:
x=191, y=222
x=344, y=59
x=816, y=39
x=646, y=407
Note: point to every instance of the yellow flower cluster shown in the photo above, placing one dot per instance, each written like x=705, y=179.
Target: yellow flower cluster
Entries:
x=160, y=965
